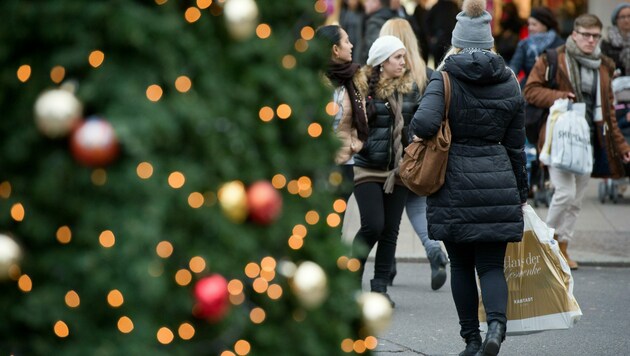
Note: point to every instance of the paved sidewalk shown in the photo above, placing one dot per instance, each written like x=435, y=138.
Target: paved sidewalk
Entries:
x=602, y=236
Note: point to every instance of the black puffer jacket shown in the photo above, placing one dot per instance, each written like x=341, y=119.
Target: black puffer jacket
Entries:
x=486, y=180
x=379, y=152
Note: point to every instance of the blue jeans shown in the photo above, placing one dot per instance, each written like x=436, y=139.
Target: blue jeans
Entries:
x=417, y=213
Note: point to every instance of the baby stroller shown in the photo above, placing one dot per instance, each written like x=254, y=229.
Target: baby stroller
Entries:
x=538, y=178
x=613, y=189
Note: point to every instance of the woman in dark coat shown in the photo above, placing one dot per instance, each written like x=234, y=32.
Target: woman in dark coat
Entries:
x=478, y=210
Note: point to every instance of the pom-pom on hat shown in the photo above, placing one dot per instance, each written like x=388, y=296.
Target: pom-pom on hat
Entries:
x=383, y=48
x=615, y=13
x=472, y=29
x=545, y=17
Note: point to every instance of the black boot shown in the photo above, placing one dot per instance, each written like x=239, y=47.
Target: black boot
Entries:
x=380, y=286
x=438, y=261
x=473, y=345
x=392, y=274
x=494, y=338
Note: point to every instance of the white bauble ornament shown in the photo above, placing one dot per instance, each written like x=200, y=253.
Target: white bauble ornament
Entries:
x=57, y=112
x=376, y=311
x=241, y=17
x=10, y=254
x=310, y=284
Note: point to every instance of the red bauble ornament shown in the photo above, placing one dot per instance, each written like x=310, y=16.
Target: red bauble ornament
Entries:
x=212, y=298
x=264, y=202
x=94, y=143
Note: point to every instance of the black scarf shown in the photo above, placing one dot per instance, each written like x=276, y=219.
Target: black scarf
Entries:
x=341, y=74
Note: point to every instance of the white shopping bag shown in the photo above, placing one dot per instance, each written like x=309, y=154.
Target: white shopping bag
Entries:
x=540, y=284
x=568, y=138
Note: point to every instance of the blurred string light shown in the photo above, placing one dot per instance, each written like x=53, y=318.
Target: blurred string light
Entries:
x=72, y=299
x=5, y=190
x=24, y=73
x=335, y=178
x=195, y=200
x=283, y=111
x=274, y=291
x=263, y=31
x=18, y=212
x=204, y=4
x=321, y=6
x=315, y=130
x=57, y=73
x=339, y=205
x=265, y=113
x=99, y=177
x=260, y=285
x=307, y=33
x=25, y=284
x=161, y=2
x=186, y=331
x=183, y=277
x=295, y=242
x=165, y=336
x=288, y=61
x=252, y=270
x=125, y=325
x=197, y=264
x=115, y=298
x=144, y=170
x=154, y=92
x=96, y=58
x=64, y=234
x=61, y=329
x=332, y=108
x=333, y=220
x=342, y=262
x=164, y=249
x=293, y=187
x=183, y=84
x=257, y=315
x=192, y=14
x=176, y=180
x=107, y=239
x=278, y=181
x=242, y=347
x=311, y=217
x=301, y=45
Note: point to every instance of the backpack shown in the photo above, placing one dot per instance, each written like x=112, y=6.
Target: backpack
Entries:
x=535, y=116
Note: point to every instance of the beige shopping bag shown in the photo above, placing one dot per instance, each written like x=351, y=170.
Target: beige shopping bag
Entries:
x=540, y=284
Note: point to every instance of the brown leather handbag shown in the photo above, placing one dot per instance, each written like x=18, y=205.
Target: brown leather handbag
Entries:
x=423, y=165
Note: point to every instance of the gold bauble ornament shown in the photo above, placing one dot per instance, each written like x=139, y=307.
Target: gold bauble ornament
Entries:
x=57, y=112
x=376, y=312
x=310, y=284
x=233, y=200
x=241, y=17
x=10, y=254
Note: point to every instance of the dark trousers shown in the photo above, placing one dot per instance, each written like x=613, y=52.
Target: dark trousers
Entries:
x=487, y=258
x=380, y=222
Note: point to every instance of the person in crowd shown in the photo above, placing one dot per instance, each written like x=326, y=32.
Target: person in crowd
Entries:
x=511, y=25
x=350, y=122
x=377, y=12
x=379, y=192
x=351, y=16
x=478, y=210
x=419, y=21
x=583, y=75
x=543, y=34
x=416, y=205
x=617, y=44
x=440, y=24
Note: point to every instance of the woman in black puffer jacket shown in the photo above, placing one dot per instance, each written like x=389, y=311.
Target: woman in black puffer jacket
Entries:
x=478, y=210
x=392, y=99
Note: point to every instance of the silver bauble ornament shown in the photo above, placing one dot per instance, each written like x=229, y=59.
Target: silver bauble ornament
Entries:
x=376, y=311
x=241, y=17
x=310, y=284
x=10, y=254
x=57, y=112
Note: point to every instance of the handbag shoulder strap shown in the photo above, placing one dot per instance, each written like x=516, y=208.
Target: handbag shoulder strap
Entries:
x=447, y=93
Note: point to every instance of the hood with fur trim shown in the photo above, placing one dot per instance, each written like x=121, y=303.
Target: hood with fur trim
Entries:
x=385, y=87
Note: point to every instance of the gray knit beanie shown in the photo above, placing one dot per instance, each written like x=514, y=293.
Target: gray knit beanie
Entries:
x=472, y=29
x=615, y=13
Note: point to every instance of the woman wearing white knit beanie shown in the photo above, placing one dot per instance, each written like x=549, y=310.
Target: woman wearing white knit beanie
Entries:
x=391, y=100
x=478, y=209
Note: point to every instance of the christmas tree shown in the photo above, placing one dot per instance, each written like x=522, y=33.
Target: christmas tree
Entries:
x=166, y=183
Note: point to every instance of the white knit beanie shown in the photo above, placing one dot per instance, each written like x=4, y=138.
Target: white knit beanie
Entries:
x=472, y=29
x=382, y=48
